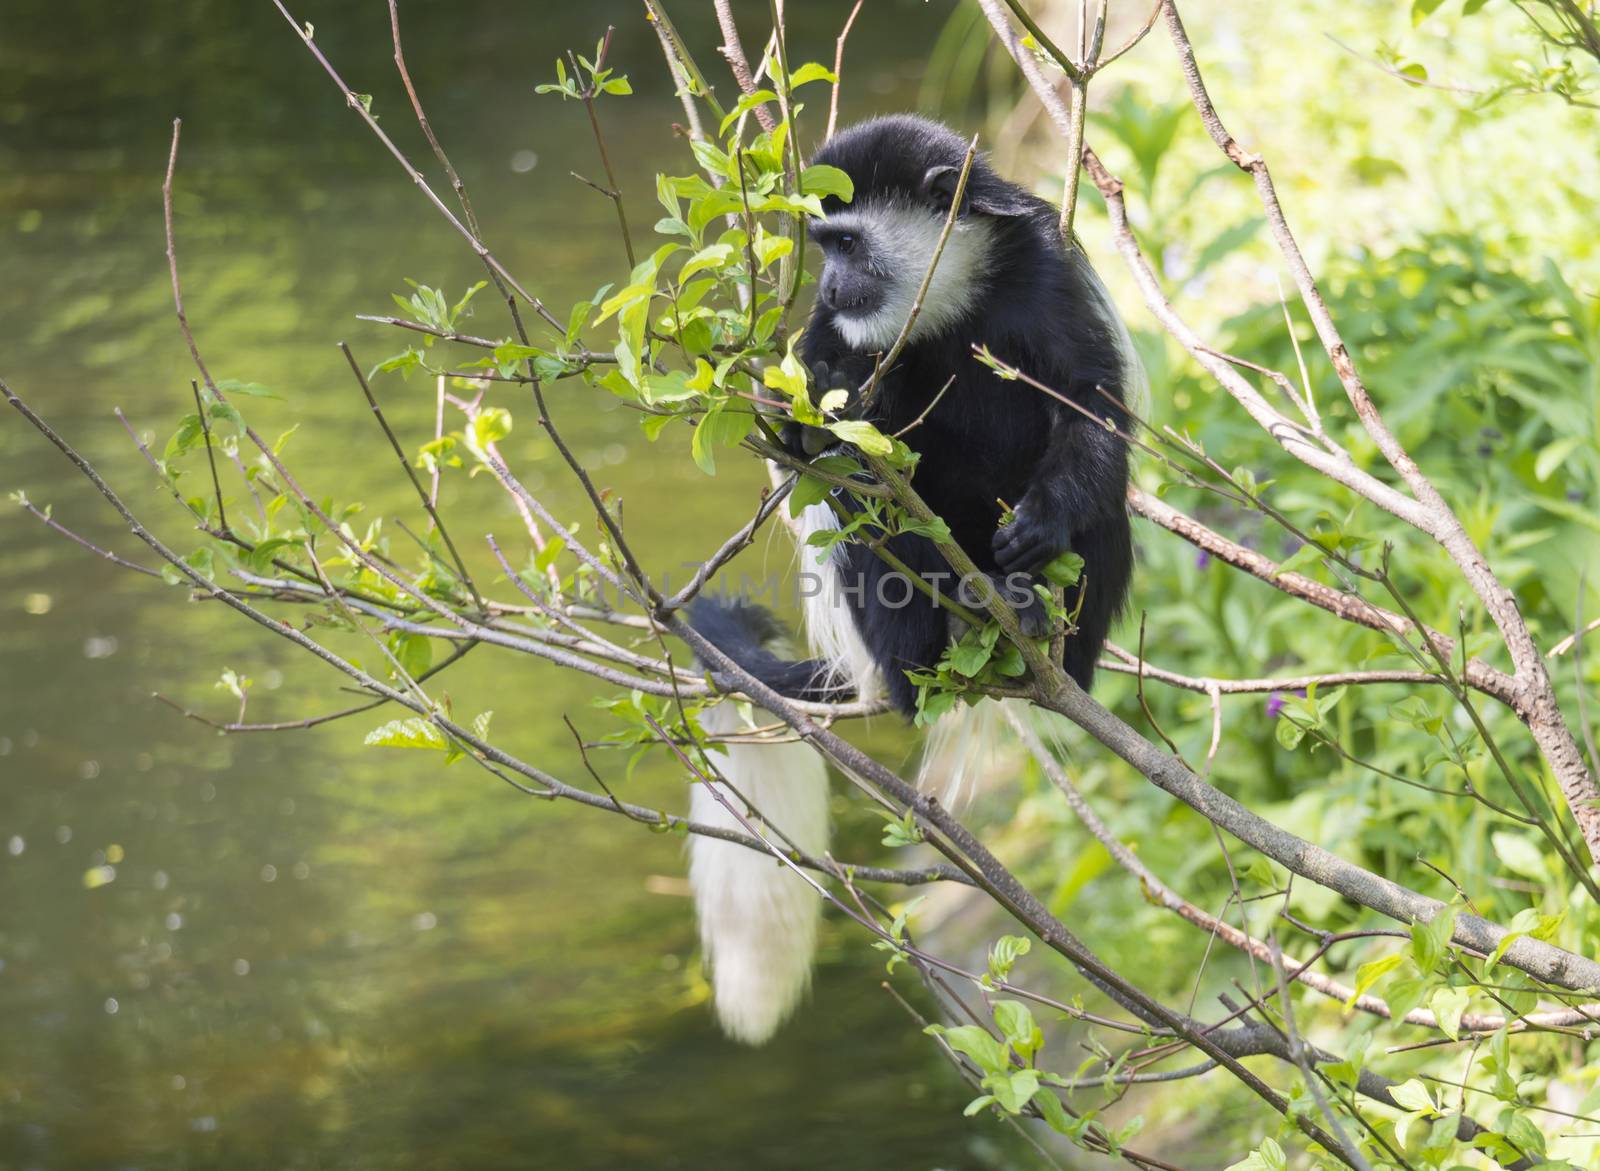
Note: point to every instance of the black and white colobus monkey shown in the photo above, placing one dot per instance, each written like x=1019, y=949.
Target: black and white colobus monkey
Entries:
x=1005, y=280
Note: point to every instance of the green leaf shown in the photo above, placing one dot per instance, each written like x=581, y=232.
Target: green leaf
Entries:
x=1370, y=973
x=188, y=435
x=863, y=434
x=1404, y=994
x=405, y=362
x=1260, y=871
x=1413, y=1095
x=221, y=412
x=1448, y=1004
x=1520, y=855
x=809, y=205
x=1064, y=570
x=770, y=248
x=203, y=562
x=1288, y=733
x=489, y=425
x=1552, y=456
x=1056, y=1117
x=1526, y=922
x=1306, y=556
x=1268, y=1156
x=248, y=389
x=414, y=732
x=1430, y=941
x=809, y=72
x=722, y=426
x=969, y=656
x=1005, y=953
x=1524, y=1133
x=1016, y=1024
x=824, y=180
x=712, y=256
x=261, y=557
x=788, y=376
x=414, y=652
x=1422, y=9
x=747, y=102
x=1013, y=1090
x=808, y=490
x=974, y=1042
x=977, y=1105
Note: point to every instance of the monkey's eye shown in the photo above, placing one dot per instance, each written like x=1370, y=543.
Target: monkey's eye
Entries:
x=846, y=243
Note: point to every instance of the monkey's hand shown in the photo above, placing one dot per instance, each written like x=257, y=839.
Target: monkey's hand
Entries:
x=1037, y=535
x=804, y=442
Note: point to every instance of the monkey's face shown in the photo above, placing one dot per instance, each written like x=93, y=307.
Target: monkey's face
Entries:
x=876, y=253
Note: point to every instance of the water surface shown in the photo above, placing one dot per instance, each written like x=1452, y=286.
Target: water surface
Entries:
x=291, y=951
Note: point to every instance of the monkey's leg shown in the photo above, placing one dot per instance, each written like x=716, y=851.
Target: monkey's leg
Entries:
x=904, y=629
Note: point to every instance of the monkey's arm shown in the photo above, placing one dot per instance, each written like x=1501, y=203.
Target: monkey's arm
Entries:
x=1081, y=479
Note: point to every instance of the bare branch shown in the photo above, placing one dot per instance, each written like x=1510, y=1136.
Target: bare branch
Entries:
x=838, y=67
x=732, y=50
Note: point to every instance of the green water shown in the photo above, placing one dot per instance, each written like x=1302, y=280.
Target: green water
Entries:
x=312, y=954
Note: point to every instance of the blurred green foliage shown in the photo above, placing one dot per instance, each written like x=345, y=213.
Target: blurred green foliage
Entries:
x=1453, y=233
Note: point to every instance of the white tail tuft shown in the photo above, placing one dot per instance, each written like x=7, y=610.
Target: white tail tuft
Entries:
x=758, y=919
x=966, y=751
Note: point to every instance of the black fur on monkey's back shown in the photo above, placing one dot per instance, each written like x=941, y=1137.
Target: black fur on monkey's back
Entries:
x=1039, y=307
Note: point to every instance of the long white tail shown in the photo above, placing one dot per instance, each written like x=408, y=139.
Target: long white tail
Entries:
x=758, y=919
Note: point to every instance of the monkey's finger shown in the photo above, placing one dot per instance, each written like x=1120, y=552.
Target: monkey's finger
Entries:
x=1014, y=536
x=1024, y=558
x=1004, y=537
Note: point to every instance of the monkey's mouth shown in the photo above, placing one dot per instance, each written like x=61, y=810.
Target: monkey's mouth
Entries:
x=856, y=306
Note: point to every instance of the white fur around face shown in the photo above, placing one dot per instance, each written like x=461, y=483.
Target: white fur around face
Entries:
x=901, y=239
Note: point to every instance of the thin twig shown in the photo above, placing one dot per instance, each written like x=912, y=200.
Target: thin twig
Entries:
x=614, y=192
x=411, y=474
x=211, y=456
x=48, y=520
x=838, y=68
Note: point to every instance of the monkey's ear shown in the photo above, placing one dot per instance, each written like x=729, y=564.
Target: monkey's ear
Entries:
x=939, y=188
x=992, y=198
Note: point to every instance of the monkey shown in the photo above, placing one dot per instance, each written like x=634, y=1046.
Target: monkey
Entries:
x=1005, y=282
x=1018, y=475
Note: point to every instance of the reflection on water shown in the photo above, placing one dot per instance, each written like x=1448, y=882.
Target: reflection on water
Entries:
x=289, y=951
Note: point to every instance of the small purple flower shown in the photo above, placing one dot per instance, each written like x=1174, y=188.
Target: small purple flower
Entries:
x=1275, y=701
x=1202, y=559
